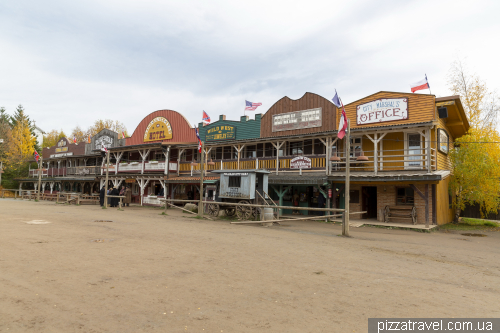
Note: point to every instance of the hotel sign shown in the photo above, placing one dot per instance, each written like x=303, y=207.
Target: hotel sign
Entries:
x=382, y=110
x=297, y=120
x=222, y=132
x=158, y=129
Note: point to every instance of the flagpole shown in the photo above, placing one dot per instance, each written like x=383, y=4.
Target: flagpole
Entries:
x=40, y=166
x=106, y=190
x=345, y=230
x=200, y=204
x=428, y=85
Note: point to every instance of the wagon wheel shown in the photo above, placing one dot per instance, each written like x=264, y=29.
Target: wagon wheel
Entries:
x=244, y=212
x=414, y=215
x=213, y=209
x=387, y=213
x=230, y=211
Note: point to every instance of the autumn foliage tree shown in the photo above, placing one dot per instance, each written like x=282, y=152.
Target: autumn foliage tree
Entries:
x=113, y=125
x=52, y=138
x=476, y=157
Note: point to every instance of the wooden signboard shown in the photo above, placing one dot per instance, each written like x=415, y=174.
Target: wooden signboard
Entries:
x=300, y=162
x=222, y=132
x=130, y=180
x=297, y=120
x=158, y=129
x=382, y=110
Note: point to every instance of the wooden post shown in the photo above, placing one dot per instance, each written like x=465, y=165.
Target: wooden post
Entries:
x=428, y=146
x=40, y=165
x=426, y=206
x=345, y=231
x=106, y=189
x=200, y=204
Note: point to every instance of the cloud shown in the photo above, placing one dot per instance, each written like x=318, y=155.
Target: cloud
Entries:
x=70, y=63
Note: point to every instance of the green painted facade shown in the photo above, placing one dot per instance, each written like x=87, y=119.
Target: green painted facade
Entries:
x=224, y=130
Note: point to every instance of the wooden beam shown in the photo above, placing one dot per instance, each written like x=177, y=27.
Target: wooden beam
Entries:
x=418, y=191
x=455, y=123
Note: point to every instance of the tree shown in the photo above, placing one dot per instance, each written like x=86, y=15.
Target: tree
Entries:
x=476, y=172
x=52, y=138
x=476, y=157
x=480, y=104
x=100, y=124
x=79, y=134
x=22, y=143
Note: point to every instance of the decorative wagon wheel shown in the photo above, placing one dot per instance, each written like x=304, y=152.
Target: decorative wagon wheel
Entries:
x=244, y=212
x=230, y=211
x=414, y=215
x=387, y=213
x=213, y=209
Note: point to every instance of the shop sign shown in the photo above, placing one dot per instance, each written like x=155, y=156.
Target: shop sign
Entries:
x=130, y=180
x=103, y=141
x=329, y=192
x=158, y=129
x=297, y=120
x=223, y=132
x=61, y=155
x=61, y=149
x=235, y=173
x=382, y=110
x=300, y=162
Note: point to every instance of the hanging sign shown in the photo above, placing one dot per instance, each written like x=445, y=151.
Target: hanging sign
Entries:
x=158, y=129
x=223, y=132
x=130, y=180
x=329, y=192
x=382, y=110
x=300, y=162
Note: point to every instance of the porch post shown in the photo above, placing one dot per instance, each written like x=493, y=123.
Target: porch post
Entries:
x=277, y=145
x=428, y=149
x=180, y=151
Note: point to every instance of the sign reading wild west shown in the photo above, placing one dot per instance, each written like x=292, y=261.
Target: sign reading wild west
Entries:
x=297, y=120
x=223, y=132
x=158, y=129
x=382, y=110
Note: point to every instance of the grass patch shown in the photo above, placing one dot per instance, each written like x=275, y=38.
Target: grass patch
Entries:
x=228, y=218
x=478, y=222
x=467, y=227
x=196, y=217
x=163, y=213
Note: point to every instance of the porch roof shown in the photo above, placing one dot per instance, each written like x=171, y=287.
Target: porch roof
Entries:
x=193, y=179
x=393, y=176
x=294, y=178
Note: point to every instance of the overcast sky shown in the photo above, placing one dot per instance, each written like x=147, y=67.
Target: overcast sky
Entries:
x=72, y=62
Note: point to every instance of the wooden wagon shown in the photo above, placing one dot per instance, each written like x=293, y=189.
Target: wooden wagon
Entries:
x=240, y=186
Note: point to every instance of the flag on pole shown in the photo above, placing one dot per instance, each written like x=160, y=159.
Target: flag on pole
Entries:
x=123, y=135
x=74, y=138
x=249, y=106
x=343, y=118
x=206, y=117
x=199, y=140
x=103, y=148
x=420, y=85
x=88, y=139
x=37, y=157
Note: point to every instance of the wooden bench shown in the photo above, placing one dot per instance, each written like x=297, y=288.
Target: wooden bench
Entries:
x=91, y=199
x=401, y=213
x=49, y=197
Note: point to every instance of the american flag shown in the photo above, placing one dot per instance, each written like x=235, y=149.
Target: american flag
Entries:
x=206, y=117
x=199, y=140
x=37, y=157
x=249, y=106
x=74, y=138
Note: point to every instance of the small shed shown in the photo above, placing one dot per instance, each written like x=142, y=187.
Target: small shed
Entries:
x=242, y=184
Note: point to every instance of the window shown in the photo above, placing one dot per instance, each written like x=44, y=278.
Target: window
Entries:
x=250, y=152
x=269, y=150
x=228, y=153
x=443, y=141
x=296, y=148
x=159, y=156
x=356, y=147
x=413, y=147
x=405, y=196
x=234, y=181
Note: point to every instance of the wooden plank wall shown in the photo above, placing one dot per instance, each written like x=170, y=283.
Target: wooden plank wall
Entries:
x=444, y=213
x=181, y=129
x=421, y=108
x=306, y=102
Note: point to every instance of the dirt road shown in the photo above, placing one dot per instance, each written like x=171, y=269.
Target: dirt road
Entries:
x=145, y=272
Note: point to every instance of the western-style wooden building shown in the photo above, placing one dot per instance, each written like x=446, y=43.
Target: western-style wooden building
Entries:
x=398, y=155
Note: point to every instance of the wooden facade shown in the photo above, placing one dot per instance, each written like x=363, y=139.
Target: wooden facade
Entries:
x=306, y=102
x=244, y=129
x=182, y=132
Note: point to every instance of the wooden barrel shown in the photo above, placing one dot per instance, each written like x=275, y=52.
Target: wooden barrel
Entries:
x=268, y=214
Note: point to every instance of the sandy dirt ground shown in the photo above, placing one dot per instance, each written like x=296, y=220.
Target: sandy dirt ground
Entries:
x=152, y=273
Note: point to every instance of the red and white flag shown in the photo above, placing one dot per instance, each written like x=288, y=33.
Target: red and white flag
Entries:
x=199, y=140
x=249, y=106
x=123, y=135
x=74, y=138
x=103, y=148
x=420, y=85
x=342, y=124
x=206, y=117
